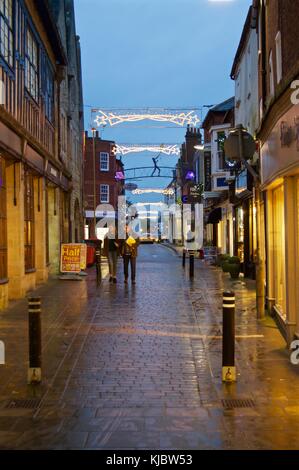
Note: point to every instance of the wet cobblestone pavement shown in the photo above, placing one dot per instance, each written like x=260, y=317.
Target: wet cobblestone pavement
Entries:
x=139, y=366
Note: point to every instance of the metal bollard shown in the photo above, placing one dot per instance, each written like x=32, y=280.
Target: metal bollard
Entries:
x=35, y=340
x=191, y=264
x=98, y=264
x=228, y=338
x=184, y=258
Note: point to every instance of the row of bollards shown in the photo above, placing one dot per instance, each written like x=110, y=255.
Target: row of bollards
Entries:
x=228, y=339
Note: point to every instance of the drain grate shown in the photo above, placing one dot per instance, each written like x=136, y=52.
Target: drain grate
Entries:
x=231, y=403
x=27, y=404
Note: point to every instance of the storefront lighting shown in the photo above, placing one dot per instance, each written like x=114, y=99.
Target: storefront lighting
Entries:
x=119, y=176
x=190, y=175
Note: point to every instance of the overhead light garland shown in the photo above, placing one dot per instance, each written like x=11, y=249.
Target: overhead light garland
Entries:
x=114, y=118
x=167, y=149
x=167, y=191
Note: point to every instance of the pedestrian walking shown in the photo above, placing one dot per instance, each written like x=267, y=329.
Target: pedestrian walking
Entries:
x=111, y=250
x=129, y=252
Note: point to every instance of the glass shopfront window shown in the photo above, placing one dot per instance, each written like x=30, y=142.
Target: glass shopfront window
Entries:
x=3, y=216
x=240, y=233
x=279, y=248
x=29, y=222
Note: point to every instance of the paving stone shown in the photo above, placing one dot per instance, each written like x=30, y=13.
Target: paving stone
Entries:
x=139, y=367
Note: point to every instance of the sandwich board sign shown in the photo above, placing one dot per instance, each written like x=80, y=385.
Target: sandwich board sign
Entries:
x=72, y=257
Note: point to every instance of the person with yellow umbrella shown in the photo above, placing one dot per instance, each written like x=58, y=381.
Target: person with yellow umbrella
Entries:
x=129, y=252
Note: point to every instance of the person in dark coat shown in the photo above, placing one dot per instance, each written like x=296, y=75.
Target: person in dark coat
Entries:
x=111, y=250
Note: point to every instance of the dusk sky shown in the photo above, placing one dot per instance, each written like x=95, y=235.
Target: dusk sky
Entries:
x=156, y=53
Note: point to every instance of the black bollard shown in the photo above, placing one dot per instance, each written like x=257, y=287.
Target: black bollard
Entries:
x=191, y=264
x=35, y=340
x=184, y=257
x=98, y=263
x=228, y=338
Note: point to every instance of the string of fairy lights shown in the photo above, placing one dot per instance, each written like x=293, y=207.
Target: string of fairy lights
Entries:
x=114, y=117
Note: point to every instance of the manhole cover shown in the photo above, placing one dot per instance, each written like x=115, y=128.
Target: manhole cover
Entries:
x=232, y=403
x=28, y=404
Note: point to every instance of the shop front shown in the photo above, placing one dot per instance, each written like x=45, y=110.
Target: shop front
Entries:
x=280, y=182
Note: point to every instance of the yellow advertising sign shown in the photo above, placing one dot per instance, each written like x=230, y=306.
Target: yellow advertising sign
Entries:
x=72, y=257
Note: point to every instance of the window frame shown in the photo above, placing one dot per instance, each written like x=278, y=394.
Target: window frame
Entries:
x=278, y=50
x=106, y=154
x=101, y=193
x=29, y=226
x=9, y=23
x=220, y=151
x=271, y=75
x=48, y=87
x=33, y=70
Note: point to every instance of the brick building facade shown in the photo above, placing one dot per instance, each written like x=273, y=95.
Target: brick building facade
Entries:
x=107, y=182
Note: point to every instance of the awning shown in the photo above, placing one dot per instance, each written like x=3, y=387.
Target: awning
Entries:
x=215, y=216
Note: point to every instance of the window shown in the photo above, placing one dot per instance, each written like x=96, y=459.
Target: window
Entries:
x=47, y=87
x=104, y=161
x=271, y=74
x=63, y=133
x=47, y=224
x=31, y=65
x=279, y=248
x=3, y=229
x=278, y=57
x=29, y=221
x=104, y=193
x=6, y=31
x=220, y=150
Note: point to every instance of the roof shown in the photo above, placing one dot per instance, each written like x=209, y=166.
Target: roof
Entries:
x=223, y=107
x=52, y=30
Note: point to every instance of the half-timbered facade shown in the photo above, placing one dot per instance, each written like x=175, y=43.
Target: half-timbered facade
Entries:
x=35, y=181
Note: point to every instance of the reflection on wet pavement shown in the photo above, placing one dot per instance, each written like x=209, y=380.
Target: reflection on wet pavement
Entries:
x=139, y=367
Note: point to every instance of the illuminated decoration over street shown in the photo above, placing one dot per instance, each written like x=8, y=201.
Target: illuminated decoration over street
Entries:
x=168, y=191
x=190, y=176
x=167, y=149
x=119, y=176
x=116, y=117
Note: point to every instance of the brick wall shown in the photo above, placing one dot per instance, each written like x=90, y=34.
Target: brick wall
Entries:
x=102, y=177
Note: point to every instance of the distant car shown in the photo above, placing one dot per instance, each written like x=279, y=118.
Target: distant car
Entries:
x=148, y=238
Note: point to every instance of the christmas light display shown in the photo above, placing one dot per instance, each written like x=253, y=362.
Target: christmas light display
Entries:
x=168, y=191
x=114, y=118
x=167, y=149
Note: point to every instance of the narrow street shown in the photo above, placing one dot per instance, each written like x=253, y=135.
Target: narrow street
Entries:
x=139, y=367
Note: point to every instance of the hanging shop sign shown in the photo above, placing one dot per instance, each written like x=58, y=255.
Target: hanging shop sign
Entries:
x=72, y=257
